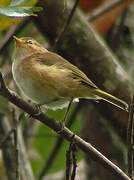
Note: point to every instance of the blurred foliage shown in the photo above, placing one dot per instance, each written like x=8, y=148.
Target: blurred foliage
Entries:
x=125, y=51
x=14, y=11
x=6, y=22
x=16, y=2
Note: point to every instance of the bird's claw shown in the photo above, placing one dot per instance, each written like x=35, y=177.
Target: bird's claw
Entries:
x=37, y=108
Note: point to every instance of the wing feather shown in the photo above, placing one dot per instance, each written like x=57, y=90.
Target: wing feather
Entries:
x=54, y=59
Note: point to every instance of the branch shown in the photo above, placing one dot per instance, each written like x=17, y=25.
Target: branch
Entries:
x=66, y=25
x=64, y=132
x=15, y=29
x=68, y=162
x=7, y=148
x=130, y=139
x=24, y=163
x=74, y=151
x=105, y=8
x=16, y=147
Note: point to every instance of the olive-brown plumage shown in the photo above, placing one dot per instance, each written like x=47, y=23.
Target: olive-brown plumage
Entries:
x=47, y=78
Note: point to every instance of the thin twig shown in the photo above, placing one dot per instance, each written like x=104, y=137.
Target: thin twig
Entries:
x=68, y=162
x=74, y=150
x=15, y=127
x=7, y=147
x=114, y=38
x=64, y=132
x=65, y=26
x=12, y=31
x=3, y=141
x=105, y=8
x=130, y=139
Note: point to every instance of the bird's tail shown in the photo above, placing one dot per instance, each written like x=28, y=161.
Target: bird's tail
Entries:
x=111, y=99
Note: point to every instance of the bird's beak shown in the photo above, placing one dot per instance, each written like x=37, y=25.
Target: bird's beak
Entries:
x=17, y=40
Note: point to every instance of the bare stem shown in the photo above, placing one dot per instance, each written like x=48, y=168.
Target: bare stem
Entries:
x=65, y=26
x=130, y=139
x=105, y=8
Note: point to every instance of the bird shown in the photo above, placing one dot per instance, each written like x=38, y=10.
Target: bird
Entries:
x=51, y=81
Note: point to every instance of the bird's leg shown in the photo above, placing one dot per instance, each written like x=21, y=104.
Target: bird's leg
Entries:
x=66, y=113
x=62, y=122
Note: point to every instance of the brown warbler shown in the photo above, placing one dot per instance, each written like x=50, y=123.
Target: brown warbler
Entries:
x=50, y=80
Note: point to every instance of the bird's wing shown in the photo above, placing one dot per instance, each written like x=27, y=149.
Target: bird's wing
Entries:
x=54, y=59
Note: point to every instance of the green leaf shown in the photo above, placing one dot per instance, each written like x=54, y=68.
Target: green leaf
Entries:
x=19, y=11
x=35, y=9
x=17, y=2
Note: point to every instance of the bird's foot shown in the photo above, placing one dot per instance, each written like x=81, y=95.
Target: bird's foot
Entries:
x=38, y=110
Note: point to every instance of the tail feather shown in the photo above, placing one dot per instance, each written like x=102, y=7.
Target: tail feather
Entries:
x=111, y=99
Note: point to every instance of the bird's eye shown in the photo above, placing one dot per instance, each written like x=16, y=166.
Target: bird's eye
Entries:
x=30, y=42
